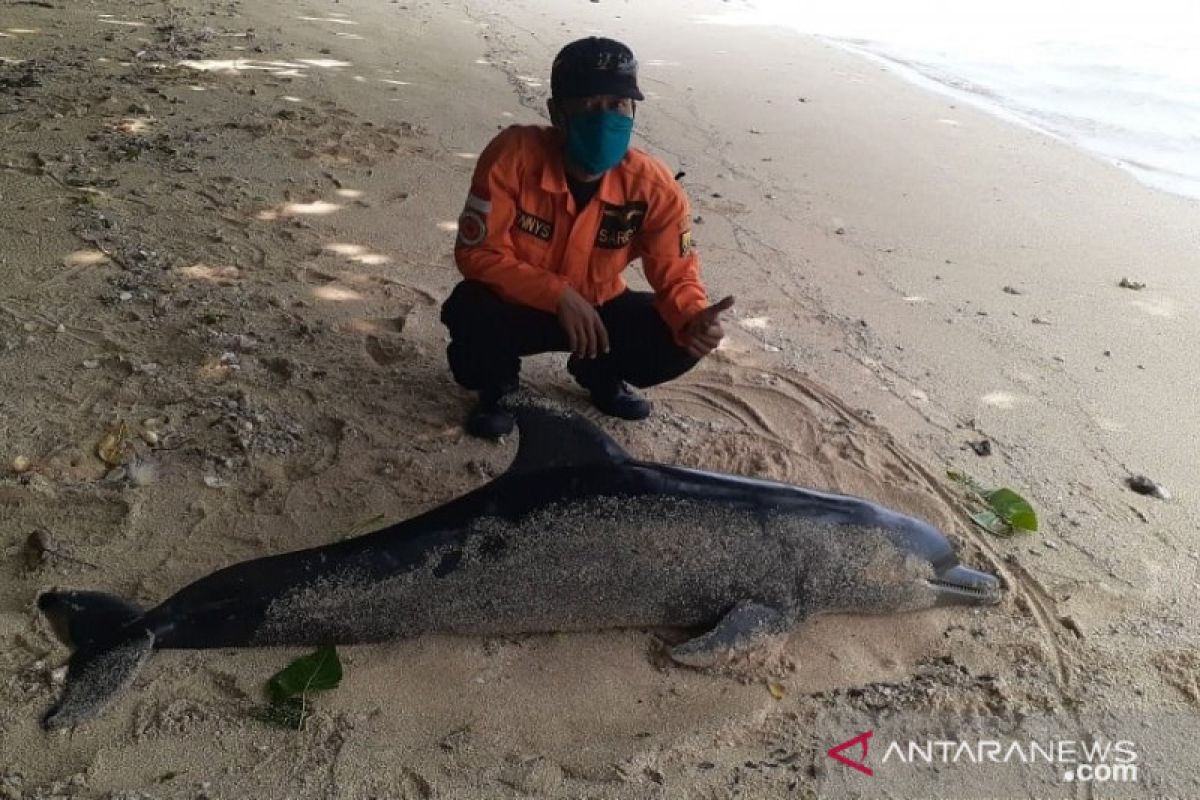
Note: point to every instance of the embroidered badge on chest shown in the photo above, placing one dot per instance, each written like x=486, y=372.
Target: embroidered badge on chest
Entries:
x=619, y=224
x=534, y=226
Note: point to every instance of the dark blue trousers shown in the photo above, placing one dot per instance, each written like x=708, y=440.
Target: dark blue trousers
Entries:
x=488, y=337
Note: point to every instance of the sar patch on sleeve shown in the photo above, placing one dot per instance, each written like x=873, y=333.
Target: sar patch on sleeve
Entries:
x=685, y=243
x=472, y=223
x=472, y=229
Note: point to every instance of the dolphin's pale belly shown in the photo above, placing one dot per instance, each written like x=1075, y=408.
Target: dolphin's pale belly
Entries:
x=601, y=563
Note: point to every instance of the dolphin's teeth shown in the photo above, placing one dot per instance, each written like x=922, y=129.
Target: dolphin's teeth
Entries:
x=959, y=587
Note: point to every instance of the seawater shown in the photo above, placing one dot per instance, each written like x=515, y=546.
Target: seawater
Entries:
x=1118, y=79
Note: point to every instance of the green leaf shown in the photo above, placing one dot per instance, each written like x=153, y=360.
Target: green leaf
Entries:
x=291, y=713
x=1009, y=512
x=312, y=673
x=1013, y=509
x=991, y=523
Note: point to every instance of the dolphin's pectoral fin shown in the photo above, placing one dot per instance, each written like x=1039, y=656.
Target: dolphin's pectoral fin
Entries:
x=742, y=629
x=95, y=677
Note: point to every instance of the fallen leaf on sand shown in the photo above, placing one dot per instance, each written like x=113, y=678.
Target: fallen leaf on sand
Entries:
x=109, y=448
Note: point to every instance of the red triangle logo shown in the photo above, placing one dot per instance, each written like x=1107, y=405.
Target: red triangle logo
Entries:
x=862, y=740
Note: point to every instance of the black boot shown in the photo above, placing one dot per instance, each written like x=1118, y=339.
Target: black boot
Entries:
x=489, y=419
x=610, y=395
x=618, y=400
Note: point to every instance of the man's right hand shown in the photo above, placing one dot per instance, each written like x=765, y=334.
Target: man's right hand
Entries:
x=584, y=328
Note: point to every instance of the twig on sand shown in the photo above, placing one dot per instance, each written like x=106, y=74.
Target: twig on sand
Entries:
x=39, y=547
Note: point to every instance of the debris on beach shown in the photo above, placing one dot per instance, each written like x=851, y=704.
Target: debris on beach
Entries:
x=1011, y=290
x=40, y=547
x=1007, y=512
x=1143, y=485
x=288, y=690
x=141, y=472
x=982, y=447
x=1125, y=283
x=110, y=447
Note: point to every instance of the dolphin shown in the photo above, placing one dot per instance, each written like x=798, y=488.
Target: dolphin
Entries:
x=575, y=535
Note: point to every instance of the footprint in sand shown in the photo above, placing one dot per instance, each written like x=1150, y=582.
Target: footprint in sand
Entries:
x=384, y=352
x=1181, y=669
x=382, y=340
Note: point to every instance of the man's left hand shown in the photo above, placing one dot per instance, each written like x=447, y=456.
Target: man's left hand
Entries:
x=704, y=333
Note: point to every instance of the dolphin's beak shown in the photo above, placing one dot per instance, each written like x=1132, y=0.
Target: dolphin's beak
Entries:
x=961, y=586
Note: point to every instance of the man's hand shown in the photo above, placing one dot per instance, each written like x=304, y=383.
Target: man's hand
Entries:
x=704, y=332
x=583, y=326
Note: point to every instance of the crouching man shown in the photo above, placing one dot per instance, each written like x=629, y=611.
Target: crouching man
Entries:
x=553, y=218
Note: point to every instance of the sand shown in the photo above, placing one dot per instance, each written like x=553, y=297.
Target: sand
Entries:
x=228, y=226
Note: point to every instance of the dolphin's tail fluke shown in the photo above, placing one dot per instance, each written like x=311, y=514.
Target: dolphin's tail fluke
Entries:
x=109, y=645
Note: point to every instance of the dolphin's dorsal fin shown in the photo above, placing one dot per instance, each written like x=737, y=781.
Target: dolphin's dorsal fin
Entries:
x=551, y=437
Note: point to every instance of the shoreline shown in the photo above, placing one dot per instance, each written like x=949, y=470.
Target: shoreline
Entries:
x=944, y=86
x=1052, y=66
x=284, y=242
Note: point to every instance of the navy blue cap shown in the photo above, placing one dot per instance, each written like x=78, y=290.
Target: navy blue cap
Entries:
x=593, y=66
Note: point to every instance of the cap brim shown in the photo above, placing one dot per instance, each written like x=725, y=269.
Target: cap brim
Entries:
x=591, y=86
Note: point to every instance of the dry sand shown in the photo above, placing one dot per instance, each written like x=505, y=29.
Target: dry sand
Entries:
x=228, y=226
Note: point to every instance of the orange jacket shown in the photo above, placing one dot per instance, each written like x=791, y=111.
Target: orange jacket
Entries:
x=521, y=234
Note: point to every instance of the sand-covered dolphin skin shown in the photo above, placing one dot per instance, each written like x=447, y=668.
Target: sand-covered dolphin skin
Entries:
x=575, y=535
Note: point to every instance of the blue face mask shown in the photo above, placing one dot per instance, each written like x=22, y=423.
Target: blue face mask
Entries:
x=597, y=140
